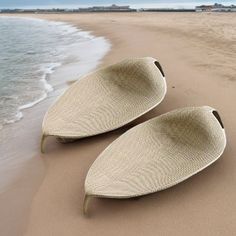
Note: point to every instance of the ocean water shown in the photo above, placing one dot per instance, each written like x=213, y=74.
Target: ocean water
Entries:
x=32, y=49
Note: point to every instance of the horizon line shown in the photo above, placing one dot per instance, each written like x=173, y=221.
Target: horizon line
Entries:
x=134, y=6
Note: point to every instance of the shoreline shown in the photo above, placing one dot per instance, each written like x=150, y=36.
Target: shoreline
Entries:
x=49, y=68
x=26, y=165
x=190, y=52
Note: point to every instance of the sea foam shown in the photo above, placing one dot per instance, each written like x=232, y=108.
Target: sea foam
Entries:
x=31, y=50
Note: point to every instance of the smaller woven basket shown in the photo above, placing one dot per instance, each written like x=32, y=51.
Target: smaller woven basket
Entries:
x=157, y=154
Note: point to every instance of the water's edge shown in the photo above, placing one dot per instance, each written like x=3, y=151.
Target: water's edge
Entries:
x=22, y=170
x=82, y=56
x=57, y=80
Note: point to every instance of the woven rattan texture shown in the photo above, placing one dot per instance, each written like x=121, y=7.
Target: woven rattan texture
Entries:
x=106, y=99
x=157, y=154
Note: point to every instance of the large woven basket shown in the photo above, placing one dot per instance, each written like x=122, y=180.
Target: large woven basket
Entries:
x=157, y=154
x=106, y=99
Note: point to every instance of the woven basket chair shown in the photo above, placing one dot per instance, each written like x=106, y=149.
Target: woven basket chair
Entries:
x=106, y=99
x=157, y=154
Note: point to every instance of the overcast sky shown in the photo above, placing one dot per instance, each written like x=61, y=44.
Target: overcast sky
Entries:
x=70, y=3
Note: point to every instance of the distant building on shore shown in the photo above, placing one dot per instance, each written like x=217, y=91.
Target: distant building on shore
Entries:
x=112, y=8
x=115, y=8
x=215, y=8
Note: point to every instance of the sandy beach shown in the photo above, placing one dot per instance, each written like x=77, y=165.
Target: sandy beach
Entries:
x=198, y=54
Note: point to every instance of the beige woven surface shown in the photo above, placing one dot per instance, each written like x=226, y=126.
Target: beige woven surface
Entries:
x=157, y=154
x=106, y=99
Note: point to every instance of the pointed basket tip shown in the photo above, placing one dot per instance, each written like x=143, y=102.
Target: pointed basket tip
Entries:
x=85, y=204
x=42, y=143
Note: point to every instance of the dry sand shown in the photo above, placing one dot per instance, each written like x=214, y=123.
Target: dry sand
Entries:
x=198, y=55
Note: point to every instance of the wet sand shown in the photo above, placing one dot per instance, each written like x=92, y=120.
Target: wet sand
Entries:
x=198, y=55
